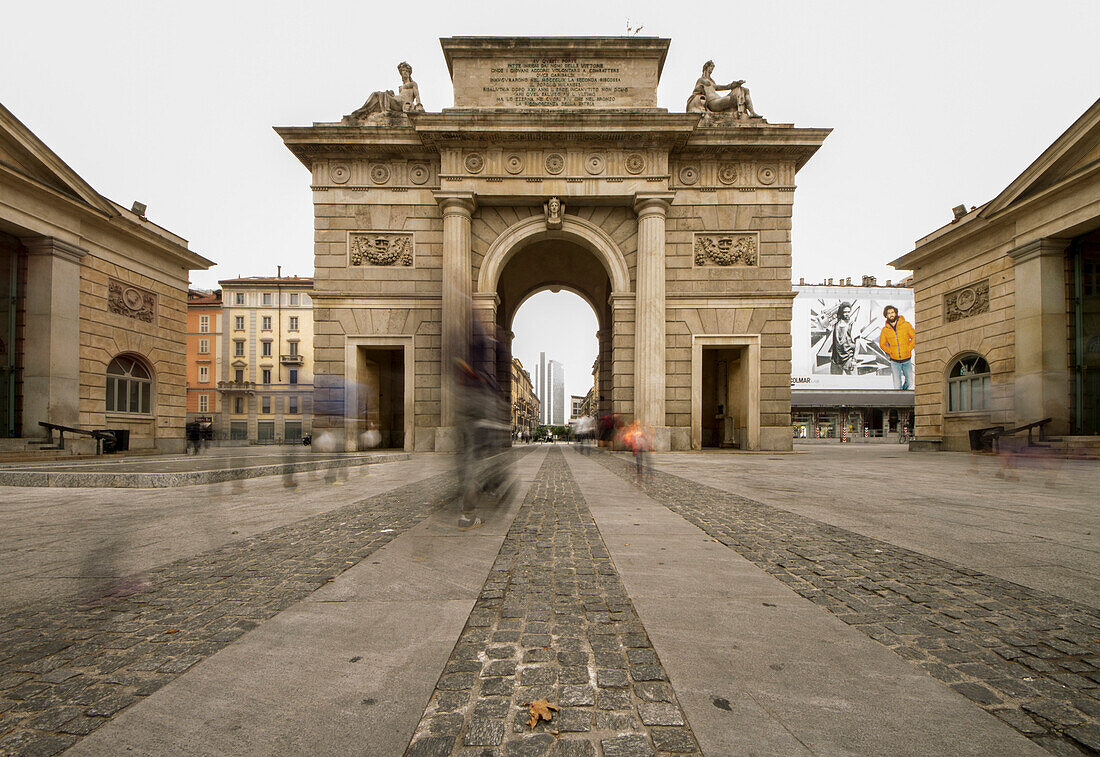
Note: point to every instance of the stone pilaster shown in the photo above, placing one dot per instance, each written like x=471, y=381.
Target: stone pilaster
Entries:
x=458, y=209
x=51, y=360
x=649, y=335
x=1042, y=365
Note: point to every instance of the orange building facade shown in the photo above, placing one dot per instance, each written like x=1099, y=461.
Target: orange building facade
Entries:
x=204, y=332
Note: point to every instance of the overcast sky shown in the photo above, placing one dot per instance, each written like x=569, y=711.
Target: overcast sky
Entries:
x=932, y=104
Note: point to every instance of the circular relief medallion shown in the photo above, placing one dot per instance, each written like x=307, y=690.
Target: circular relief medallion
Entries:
x=966, y=299
x=766, y=175
x=594, y=164
x=635, y=163
x=339, y=173
x=689, y=175
x=132, y=298
x=727, y=173
x=513, y=164
x=474, y=162
x=555, y=163
x=379, y=173
x=419, y=173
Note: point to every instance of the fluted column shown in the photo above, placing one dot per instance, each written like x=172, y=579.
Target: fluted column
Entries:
x=458, y=208
x=649, y=334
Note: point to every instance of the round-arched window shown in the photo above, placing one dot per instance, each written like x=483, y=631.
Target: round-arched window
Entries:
x=129, y=386
x=968, y=384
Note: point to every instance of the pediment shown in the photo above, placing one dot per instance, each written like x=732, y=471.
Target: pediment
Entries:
x=1076, y=150
x=26, y=154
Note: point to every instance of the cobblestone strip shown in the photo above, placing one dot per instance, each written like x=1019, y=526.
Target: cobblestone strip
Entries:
x=553, y=621
x=1030, y=658
x=66, y=670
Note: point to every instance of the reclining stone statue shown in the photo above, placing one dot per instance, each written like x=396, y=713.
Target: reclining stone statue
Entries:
x=407, y=99
x=705, y=98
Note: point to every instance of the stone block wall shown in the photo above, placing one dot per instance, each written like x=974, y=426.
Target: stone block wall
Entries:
x=374, y=300
x=735, y=299
x=940, y=341
x=162, y=344
x=369, y=300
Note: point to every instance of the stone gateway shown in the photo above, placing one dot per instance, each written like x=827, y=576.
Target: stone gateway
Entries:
x=556, y=169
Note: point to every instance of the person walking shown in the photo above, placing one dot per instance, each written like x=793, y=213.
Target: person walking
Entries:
x=897, y=339
x=194, y=437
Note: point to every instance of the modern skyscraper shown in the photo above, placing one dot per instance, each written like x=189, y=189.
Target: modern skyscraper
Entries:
x=557, y=391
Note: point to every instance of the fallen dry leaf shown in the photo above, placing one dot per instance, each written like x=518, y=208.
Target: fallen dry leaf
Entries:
x=172, y=630
x=540, y=710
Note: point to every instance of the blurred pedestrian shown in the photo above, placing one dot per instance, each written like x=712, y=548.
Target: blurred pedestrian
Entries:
x=193, y=431
x=638, y=439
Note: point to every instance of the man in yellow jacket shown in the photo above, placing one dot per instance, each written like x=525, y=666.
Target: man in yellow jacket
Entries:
x=897, y=340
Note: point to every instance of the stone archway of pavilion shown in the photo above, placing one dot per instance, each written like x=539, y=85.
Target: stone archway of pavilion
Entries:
x=615, y=342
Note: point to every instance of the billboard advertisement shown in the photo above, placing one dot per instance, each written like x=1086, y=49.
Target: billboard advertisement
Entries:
x=836, y=337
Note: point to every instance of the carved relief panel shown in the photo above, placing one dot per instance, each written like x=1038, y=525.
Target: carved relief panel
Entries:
x=131, y=301
x=734, y=248
x=380, y=248
x=966, y=301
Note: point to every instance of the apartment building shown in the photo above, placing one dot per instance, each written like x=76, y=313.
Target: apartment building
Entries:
x=266, y=381
x=525, y=405
x=204, y=358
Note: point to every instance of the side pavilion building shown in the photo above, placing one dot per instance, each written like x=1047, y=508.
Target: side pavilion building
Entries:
x=1008, y=303
x=555, y=169
x=93, y=329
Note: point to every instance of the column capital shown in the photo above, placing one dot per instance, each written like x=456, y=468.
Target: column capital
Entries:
x=1045, y=247
x=53, y=246
x=456, y=202
x=647, y=203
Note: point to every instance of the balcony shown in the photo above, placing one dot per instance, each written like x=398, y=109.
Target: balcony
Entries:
x=290, y=359
x=247, y=387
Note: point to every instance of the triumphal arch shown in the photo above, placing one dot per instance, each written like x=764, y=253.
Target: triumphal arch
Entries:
x=556, y=169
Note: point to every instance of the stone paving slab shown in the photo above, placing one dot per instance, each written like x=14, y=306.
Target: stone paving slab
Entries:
x=759, y=669
x=65, y=671
x=1038, y=528
x=203, y=471
x=62, y=543
x=346, y=670
x=1028, y=657
x=553, y=622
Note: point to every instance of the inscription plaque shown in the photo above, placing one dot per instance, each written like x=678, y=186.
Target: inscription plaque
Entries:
x=565, y=72
x=554, y=83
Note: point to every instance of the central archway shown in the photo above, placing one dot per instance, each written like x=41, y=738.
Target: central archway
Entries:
x=581, y=257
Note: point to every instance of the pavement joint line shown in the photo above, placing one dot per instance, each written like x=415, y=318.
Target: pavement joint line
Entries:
x=66, y=670
x=553, y=621
x=1030, y=658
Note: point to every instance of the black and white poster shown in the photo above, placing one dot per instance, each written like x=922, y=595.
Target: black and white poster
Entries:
x=835, y=335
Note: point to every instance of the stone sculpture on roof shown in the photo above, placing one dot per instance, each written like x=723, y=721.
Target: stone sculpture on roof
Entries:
x=385, y=104
x=705, y=98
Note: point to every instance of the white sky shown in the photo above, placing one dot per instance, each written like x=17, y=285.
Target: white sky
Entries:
x=933, y=104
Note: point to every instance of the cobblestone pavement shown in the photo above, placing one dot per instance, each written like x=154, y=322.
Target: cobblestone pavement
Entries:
x=66, y=669
x=553, y=621
x=1028, y=657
